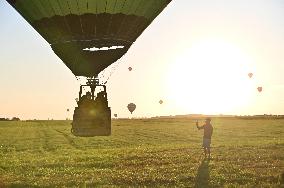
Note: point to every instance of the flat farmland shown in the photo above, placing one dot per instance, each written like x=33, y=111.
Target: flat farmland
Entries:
x=143, y=153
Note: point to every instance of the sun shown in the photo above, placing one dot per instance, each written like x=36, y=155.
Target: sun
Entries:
x=210, y=77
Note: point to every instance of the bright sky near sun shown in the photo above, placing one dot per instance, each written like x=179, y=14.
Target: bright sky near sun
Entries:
x=195, y=56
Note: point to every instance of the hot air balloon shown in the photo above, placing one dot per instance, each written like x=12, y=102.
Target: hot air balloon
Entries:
x=88, y=36
x=250, y=75
x=130, y=68
x=259, y=89
x=67, y=109
x=131, y=107
x=161, y=101
x=115, y=115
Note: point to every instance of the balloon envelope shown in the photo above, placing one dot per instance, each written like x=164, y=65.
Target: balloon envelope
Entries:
x=130, y=68
x=89, y=35
x=131, y=107
x=259, y=89
x=115, y=115
x=161, y=101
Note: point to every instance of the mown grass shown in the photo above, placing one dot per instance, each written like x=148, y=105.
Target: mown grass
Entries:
x=146, y=152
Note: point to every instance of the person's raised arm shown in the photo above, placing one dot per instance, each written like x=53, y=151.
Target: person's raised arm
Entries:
x=198, y=127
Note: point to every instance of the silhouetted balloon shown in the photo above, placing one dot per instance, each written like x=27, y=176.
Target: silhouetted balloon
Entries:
x=259, y=89
x=130, y=68
x=250, y=74
x=131, y=107
x=68, y=110
x=89, y=35
x=115, y=115
x=161, y=101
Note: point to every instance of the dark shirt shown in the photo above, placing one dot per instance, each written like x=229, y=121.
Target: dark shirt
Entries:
x=208, y=130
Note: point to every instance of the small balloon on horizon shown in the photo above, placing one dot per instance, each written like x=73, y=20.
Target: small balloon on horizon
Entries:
x=131, y=107
x=161, y=101
x=259, y=89
x=130, y=68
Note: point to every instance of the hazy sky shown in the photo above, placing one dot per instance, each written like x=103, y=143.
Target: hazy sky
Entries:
x=195, y=57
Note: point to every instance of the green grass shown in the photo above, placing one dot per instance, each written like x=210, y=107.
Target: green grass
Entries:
x=142, y=153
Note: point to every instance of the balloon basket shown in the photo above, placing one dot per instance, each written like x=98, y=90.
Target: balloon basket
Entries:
x=92, y=117
x=86, y=124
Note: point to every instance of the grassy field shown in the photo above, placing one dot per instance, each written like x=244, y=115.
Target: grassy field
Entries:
x=143, y=153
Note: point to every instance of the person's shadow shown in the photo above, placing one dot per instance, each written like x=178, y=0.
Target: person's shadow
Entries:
x=203, y=174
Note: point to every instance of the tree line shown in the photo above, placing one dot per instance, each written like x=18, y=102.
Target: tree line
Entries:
x=12, y=119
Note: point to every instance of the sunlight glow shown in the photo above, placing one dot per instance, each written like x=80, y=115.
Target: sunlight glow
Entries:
x=211, y=77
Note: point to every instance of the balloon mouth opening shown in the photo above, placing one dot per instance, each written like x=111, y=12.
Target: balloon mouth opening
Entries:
x=106, y=48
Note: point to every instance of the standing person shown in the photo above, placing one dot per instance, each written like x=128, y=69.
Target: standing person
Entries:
x=208, y=131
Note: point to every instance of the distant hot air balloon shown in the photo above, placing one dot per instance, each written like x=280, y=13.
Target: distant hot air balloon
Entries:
x=250, y=74
x=68, y=110
x=131, y=107
x=130, y=68
x=161, y=101
x=259, y=89
x=115, y=115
